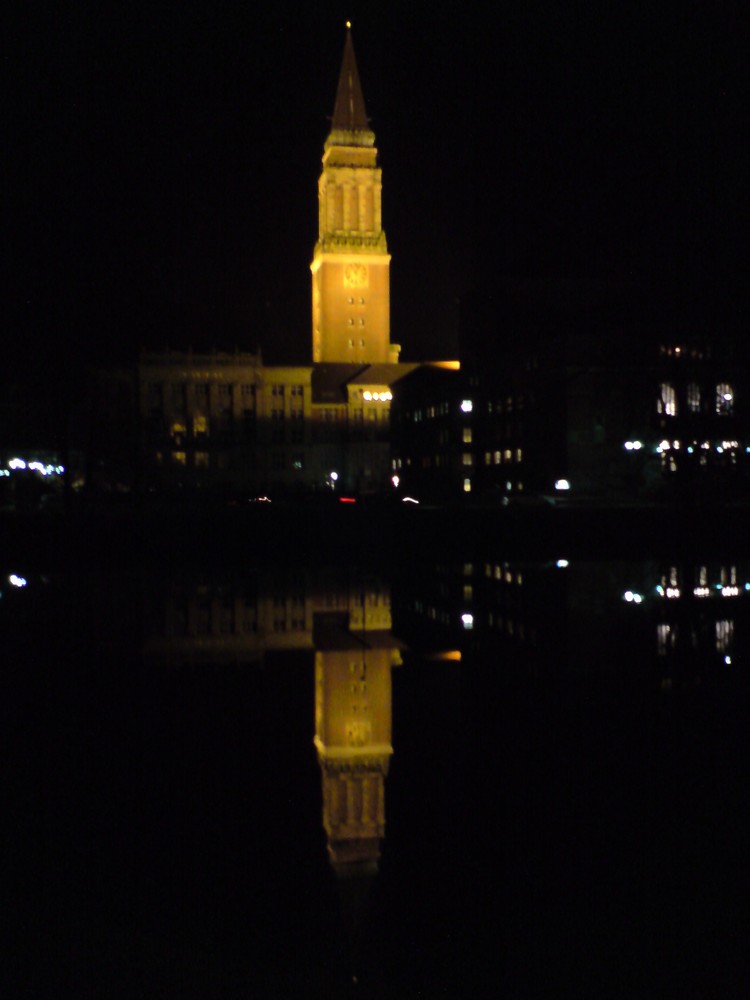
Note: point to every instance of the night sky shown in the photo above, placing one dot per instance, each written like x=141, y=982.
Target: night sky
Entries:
x=162, y=160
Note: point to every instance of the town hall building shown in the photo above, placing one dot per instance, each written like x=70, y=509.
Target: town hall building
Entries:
x=227, y=419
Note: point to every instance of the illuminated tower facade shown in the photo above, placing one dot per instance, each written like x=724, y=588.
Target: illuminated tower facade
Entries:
x=350, y=266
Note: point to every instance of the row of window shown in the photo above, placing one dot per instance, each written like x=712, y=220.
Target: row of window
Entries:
x=667, y=403
x=507, y=455
x=155, y=391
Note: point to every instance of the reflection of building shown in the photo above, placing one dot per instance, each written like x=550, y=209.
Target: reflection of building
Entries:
x=227, y=419
x=241, y=619
x=353, y=740
x=665, y=619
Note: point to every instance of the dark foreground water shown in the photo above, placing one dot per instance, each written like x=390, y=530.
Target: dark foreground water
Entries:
x=566, y=808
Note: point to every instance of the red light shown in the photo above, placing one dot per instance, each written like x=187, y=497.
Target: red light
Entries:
x=347, y=500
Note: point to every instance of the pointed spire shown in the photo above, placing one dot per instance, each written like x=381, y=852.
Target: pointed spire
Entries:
x=349, y=112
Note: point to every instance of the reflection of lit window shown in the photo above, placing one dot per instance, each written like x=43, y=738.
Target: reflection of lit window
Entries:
x=200, y=425
x=666, y=637
x=178, y=429
x=693, y=397
x=201, y=459
x=724, y=398
x=179, y=457
x=667, y=402
x=724, y=635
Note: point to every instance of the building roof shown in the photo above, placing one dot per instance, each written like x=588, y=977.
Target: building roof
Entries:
x=383, y=374
x=349, y=111
x=329, y=381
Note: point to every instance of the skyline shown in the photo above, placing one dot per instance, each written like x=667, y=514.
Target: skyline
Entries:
x=163, y=178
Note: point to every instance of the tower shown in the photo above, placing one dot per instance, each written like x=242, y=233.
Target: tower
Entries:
x=350, y=266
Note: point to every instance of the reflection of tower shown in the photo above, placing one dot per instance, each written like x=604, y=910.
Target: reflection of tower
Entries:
x=353, y=739
x=350, y=267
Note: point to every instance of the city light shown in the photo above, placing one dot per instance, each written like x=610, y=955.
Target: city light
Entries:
x=467, y=620
x=17, y=581
x=562, y=564
x=379, y=397
x=633, y=445
x=467, y=406
x=632, y=597
x=562, y=484
x=395, y=480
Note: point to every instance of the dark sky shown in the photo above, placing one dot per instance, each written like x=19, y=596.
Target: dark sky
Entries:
x=161, y=162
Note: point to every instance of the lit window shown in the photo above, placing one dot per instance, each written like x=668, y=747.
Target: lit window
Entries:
x=178, y=429
x=467, y=435
x=693, y=397
x=724, y=398
x=467, y=458
x=667, y=402
x=179, y=457
x=200, y=425
x=666, y=637
x=467, y=486
x=201, y=459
